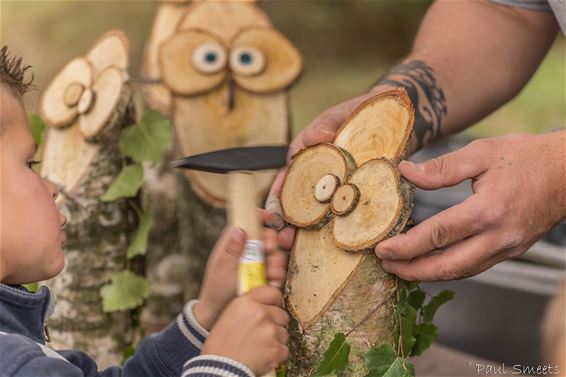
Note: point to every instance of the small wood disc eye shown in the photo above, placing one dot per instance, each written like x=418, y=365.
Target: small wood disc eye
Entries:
x=325, y=187
x=247, y=61
x=73, y=94
x=345, y=199
x=209, y=58
x=86, y=101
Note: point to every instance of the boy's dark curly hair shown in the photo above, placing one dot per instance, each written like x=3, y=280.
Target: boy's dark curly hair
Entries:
x=13, y=73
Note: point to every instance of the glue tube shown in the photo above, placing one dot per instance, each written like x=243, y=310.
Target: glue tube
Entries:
x=251, y=273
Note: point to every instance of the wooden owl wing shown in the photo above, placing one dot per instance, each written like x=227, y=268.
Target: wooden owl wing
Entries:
x=192, y=62
x=262, y=60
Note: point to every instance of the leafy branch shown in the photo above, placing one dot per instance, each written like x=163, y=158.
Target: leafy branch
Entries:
x=415, y=333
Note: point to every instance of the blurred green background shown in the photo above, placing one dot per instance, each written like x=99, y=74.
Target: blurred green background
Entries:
x=346, y=46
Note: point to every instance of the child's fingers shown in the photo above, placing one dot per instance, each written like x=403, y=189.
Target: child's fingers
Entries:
x=278, y=316
x=266, y=295
x=282, y=335
x=232, y=241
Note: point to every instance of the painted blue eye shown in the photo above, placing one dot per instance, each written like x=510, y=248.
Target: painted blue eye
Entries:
x=246, y=58
x=210, y=57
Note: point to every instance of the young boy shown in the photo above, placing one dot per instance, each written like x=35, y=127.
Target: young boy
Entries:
x=247, y=336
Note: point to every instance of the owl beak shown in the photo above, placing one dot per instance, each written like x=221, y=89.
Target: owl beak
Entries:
x=229, y=100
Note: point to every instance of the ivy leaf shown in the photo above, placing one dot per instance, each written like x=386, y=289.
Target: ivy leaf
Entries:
x=430, y=309
x=335, y=358
x=384, y=362
x=416, y=299
x=412, y=285
x=148, y=139
x=126, y=184
x=127, y=291
x=425, y=334
x=138, y=239
x=37, y=127
x=407, y=322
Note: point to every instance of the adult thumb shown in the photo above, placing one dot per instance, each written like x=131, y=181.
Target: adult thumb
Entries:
x=444, y=171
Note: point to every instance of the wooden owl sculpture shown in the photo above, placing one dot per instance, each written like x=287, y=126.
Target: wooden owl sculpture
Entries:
x=224, y=73
x=345, y=197
x=86, y=106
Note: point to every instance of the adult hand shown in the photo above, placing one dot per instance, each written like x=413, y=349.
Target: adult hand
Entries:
x=519, y=193
x=220, y=281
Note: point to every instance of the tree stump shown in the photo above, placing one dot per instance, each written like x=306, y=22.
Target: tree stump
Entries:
x=86, y=106
x=345, y=197
x=221, y=74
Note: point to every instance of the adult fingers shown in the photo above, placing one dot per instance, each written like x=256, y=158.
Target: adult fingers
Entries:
x=447, y=170
x=449, y=226
x=461, y=260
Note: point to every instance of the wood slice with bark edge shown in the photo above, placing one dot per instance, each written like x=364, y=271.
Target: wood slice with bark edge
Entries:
x=202, y=125
x=107, y=90
x=97, y=238
x=228, y=18
x=52, y=107
x=177, y=68
x=167, y=18
x=385, y=204
x=283, y=62
x=110, y=50
x=362, y=286
x=298, y=202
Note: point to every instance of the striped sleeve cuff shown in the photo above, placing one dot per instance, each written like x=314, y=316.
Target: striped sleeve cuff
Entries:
x=189, y=326
x=215, y=366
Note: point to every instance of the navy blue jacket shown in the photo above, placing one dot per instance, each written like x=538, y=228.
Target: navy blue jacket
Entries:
x=173, y=352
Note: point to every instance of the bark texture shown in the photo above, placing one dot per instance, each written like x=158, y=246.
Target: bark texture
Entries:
x=97, y=235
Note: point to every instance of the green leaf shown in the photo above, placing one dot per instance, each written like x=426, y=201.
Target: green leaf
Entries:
x=127, y=291
x=138, y=239
x=148, y=139
x=412, y=285
x=408, y=319
x=37, y=127
x=430, y=309
x=384, y=362
x=126, y=184
x=416, y=299
x=335, y=358
x=425, y=334
x=32, y=287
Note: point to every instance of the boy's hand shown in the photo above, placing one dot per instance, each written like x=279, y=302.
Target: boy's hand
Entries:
x=252, y=330
x=220, y=281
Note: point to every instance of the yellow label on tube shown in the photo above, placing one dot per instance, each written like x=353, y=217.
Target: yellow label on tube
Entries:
x=252, y=267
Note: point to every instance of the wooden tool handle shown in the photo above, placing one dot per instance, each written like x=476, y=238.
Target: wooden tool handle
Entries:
x=242, y=212
x=243, y=203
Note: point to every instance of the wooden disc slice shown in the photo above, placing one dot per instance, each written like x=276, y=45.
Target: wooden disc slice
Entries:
x=263, y=60
x=378, y=128
x=109, y=50
x=325, y=188
x=73, y=94
x=298, y=201
x=379, y=210
x=53, y=107
x=177, y=57
x=107, y=89
x=345, y=199
x=86, y=101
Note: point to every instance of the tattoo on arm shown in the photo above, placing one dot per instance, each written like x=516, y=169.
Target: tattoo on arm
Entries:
x=428, y=98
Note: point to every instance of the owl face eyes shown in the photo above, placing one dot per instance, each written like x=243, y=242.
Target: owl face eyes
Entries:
x=209, y=58
x=259, y=60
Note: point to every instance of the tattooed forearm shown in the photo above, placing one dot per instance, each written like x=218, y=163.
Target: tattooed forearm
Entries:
x=427, y=97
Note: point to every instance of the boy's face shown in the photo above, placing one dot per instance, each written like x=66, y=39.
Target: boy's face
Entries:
x=31, y=235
